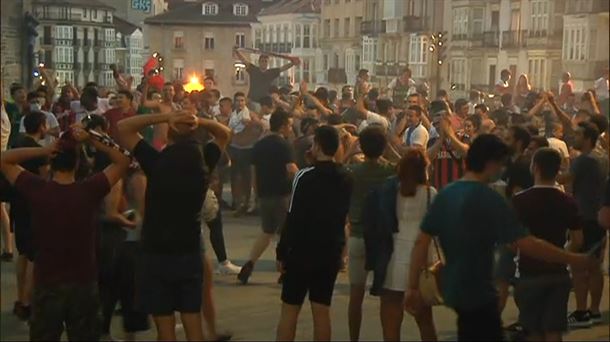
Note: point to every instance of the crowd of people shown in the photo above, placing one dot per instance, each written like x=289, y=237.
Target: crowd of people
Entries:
x=108, y=194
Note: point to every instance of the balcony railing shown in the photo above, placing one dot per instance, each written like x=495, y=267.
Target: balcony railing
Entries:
x=64, y=42
x=59, y=16
x=514, y=39
x=413, y=24
x=491, y=39
x=372, y=27
x=587, y=6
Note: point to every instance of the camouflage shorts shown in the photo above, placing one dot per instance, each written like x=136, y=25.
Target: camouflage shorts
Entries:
x=76, y=306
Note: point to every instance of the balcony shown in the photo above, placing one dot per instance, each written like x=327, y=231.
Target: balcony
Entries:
x=491, y=39
x=587, y=6
x=387, y=69
x=372, y=28
x=545, y=39
x=514, y=39
x=285, y=47
x=337, y=76
x=413, y=24
x=58, y=16
x=64, y=42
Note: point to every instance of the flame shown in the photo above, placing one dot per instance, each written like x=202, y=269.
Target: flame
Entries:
x=193, y=85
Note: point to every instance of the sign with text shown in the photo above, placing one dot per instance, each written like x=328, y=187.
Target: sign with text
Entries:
x=142, y=5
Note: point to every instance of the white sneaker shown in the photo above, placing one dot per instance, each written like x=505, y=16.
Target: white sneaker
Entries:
x=228, y=268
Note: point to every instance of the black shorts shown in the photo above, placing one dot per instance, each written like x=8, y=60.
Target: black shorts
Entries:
x=593, y=234
x=24, y=237
x=169, y=283
x=480, y=324
x=543, y=302
x=273, y=212
x=317, y=279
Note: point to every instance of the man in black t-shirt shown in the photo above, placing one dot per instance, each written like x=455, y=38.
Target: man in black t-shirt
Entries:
x=35, y=130
x=543, y=288
x=311, y=246
x=170, y=275
x=261, y=77
x=273, y=167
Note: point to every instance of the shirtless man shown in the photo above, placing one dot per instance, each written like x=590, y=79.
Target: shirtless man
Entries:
x=165, y=106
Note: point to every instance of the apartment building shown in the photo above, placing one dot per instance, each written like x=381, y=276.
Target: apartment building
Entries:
x=198, y=38
x=341, y=41
x=396, y=34
x=76, y=38
x=130, y=48
x=540, y=38
x=291, y=27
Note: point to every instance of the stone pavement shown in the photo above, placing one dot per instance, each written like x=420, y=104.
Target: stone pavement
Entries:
x=251, y=312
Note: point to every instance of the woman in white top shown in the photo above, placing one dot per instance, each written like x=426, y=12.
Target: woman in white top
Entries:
x=413, y=198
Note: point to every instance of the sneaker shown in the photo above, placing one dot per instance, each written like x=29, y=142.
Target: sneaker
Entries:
x=228, y=268
x=596, y=318
x=245, y=272
x=6, y=257
x=579, y=319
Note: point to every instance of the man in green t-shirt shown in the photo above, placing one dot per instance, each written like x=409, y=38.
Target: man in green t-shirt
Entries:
x=470, y=220
x=366, y=176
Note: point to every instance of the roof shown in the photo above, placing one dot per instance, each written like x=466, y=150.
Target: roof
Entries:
x=124, y=27
x=82, y=3
x=191, y=14
x=292, y=7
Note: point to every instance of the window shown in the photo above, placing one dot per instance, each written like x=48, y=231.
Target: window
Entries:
x=369, y=50
x=178, y=40
x=109, y=56
x=418, y=55
x=460, y=23
x=327, y=33
x=537, y=72
x=306, y=64
x=540, y=17
x=240, y=39
x=209, y=8
x=64, y=32
x=46, y=37
x=346, y=27
x=64, y=54
x=457, y=73
x=285, y=34
x=208, y=68
x=109, y=35
x=240, y=10
x=306, y=36
x=208, y=41
x=94, y=14
x=258, y=38
x=477, y=21
x=358, y=24
x=297, y=35
x=178, y=68
x=336, y=28
x=575, y=42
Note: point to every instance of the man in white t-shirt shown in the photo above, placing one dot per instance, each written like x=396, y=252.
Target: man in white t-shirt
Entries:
x=416, y=135
x=556, y=142
x=601, y=86
x=383, y=118
x=52, y=133
x=502, y=86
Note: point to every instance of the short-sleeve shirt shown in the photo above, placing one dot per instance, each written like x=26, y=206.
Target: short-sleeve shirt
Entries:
x=470, y=220
x=269, y=157
x=51, y=123
x=366, y=177
x=177, y=182
x=533, y=207
x=260, y=81
x=417, y=136
x=64, y=223
x=114, y=116
x=588, y=185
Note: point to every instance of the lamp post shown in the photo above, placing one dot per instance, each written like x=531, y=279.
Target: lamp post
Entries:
x=438, y=47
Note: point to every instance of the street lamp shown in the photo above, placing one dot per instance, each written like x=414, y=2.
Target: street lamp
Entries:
x=438, y=47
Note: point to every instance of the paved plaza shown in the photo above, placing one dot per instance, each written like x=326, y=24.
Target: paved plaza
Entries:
x=251, y=312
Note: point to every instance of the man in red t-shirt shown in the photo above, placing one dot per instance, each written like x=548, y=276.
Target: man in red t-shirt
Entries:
x=63, y=220
x=123, y=110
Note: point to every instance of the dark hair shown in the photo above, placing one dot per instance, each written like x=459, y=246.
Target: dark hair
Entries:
x=416, y=109
x=216, y=92
x=590, y=132
x=33, y=121
x=31, y=95
x=334, y=119
x=42, y=89
x=500, y=116
x=306, y=123
x=484, y=149
x=548, y=162
x=418, y=95
x=127, y=94
x=15, y=88
x=506, y=99
x=274, y=90
x=362, y=72
x=482, y=107
x=383, y=105
x=332, y=95
x=505, y=72
x=540, y=141
x=459, y=103
x=327, y=138
x=476, y=121
x=600, y=121
x=239, y=94
x=225, y=99
x=441, y=93
x=168, y=84
x=407, y=70
x=94, y=121
x=373, y=141
x=522, y=135
x=266, y=101
x=321, y=94
x=373, y=94
x=412, y=171
x=533, y=130
x=68, y=155
x=278, y=119
x=91, y=84
x=209, y=78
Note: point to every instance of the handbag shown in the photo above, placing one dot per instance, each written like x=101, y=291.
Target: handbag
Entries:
x=429, y=278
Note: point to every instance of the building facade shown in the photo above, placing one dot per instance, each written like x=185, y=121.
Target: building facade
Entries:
x=76, y=39
x=540, y=38
x=130, y=48
x=11, y=44
x=342, y=23
x=197, y=39
x=291, y=27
